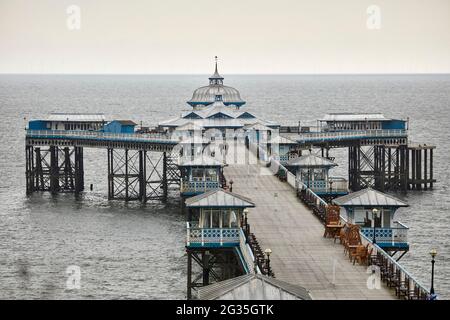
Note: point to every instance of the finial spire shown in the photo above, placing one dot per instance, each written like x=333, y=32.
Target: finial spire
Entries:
x=216, y=78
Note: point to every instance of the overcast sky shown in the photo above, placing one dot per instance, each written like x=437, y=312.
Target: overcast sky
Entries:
x=249, y=36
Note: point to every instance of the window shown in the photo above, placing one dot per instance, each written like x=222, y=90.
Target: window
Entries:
x=218, y=97
x=319, y=175
x=211, y=175
x=215, y=218
x=197, y=174
x=386, y=218
x=206, y=223
x=233, y=219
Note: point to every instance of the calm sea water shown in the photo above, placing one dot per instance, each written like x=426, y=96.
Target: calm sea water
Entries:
x=135, y=251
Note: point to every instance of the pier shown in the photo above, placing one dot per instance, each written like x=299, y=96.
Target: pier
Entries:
x=259, y=198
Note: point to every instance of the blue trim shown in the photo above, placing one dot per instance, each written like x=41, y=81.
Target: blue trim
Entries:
x=207, y=103
x=213, y=245
x=224, y=207
x=399, y=245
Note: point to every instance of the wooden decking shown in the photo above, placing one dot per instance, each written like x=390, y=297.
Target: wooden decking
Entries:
x=300, y=255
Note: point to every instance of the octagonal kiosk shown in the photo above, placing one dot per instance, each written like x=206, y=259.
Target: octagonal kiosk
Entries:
x=313, y=172
x=374, y=212
x=201, y=174
x=215, y=237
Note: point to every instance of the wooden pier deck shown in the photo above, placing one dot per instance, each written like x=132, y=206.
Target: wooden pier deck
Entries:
x=300, y=254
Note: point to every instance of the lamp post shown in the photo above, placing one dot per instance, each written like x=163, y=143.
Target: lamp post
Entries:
x=433, y=254
x=268, y=253
x=374, y=216
x=247, y=227
x=231, y=185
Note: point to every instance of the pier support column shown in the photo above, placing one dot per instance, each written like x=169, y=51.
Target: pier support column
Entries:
x=420, y=171
x=164, y=177
x=211, y=265
x=189, y=275
x=30, y=170
x=381, y=167
x=137, y=175
x=123, y=174
x=54, y=170
x=79, y=170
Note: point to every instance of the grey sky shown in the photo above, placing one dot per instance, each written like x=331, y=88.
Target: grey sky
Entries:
x=249, y=36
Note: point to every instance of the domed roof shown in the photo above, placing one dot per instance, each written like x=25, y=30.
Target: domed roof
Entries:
x=216, y=91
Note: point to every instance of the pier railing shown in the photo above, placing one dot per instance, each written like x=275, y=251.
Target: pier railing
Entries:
x=99, y=135
x=394, y=236
x=212, y=237
x=247, y=254
x=391, y=272
x=198, y=186
x=350, y=135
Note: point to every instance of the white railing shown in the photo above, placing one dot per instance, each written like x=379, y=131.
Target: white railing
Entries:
x=211, y=236
x=99, y=135
x=346, y=135
x=246, y=252
x=405, y=275
x=291, y=179
x=329, y=186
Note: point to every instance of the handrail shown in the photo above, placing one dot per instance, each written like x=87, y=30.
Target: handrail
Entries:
x=394, y=262
x=373, y=133
x=139, y=137
x=246, y=252
x=402, y=226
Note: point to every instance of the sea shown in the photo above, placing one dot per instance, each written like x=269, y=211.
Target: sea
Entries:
x=132, y=251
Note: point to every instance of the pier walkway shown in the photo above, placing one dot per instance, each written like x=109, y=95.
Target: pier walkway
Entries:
x=301, y=255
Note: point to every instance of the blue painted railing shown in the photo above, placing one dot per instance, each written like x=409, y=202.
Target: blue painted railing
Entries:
x=101, y=136
x=211, y=237
x=396, y=235
x=350, y=135
x=198, y=186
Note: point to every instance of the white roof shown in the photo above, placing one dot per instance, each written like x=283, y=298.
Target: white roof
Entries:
x=355, y=117
x=219, y=198
x=205, y=121
x=253, y=287
x=80, y=117
x=369, y=198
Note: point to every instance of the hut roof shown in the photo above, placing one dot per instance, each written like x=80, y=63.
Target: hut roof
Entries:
x=369, y=198
x=253, y=287
x=219, y=198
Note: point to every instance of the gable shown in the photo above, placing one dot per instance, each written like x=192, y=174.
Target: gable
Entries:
x=246, y=115
x=192, y=115
x=219, y=115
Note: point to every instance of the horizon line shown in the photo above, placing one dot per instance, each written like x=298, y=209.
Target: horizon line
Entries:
x=232, y=74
